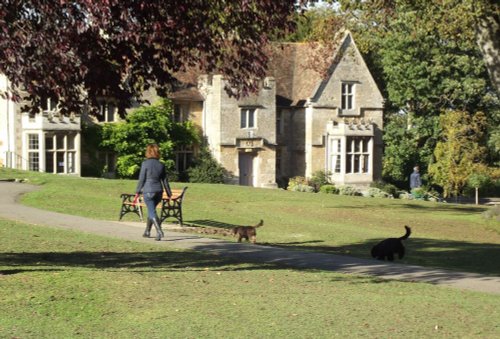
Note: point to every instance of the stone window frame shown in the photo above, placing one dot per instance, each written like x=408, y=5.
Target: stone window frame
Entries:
x=245, y=119
x=336, y=155
x=180, y=112
x=107, y=110
x=49, y=104
x=61, y=151
x=33, y=152
x=358, y=155
x=347, y=95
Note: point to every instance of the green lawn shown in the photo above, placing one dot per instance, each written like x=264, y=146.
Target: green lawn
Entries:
x=66, y=284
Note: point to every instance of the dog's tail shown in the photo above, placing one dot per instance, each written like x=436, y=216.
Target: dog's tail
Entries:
x=407, y=234
x=261, y=223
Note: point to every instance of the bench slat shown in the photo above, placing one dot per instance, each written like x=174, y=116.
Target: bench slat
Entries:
x=170, y=207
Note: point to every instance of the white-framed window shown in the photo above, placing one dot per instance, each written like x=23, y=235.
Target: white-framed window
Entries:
x=106, y=112
x=49, y=104
x=33, y=152
x=335, y=155
x=247, y=118
x=358, y=154
x=60, y=152
x=347, y=96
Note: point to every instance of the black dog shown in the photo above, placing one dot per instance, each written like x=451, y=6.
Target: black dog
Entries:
x=388, y=247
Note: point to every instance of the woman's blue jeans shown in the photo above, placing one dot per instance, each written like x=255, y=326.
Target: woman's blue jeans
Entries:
x=152, y=200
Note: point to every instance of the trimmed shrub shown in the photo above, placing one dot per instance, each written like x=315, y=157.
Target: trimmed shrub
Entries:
x=349, y=190
x=296, y=181
x=403, y=195
x=492, y=213
x=388, y=188
x=303, y=188
x=319, y=178
x=329, y=189
x=418, y=193
x=375, y=192
x=206, y=169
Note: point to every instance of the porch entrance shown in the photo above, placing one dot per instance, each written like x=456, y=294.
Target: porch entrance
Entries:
x=245, y=165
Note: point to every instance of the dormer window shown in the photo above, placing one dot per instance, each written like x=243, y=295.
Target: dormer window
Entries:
x=106, y=112
x=247, y=118
x=347, y=96
x=49, y=105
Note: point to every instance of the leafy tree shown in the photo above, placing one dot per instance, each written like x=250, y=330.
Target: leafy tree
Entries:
x=471, y=22
x=478, y=180
x=407, y=146
x=459, y=152
x=79, y=50
x=144, y=125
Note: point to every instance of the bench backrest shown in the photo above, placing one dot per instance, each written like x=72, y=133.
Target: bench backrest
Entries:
x=177, y=193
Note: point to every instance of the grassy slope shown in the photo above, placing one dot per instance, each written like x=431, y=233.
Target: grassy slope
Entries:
x=444, y=235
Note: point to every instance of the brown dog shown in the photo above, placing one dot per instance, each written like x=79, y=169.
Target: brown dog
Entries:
x=247, y=232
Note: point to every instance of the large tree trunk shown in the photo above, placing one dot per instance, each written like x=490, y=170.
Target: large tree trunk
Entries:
x=488, y=31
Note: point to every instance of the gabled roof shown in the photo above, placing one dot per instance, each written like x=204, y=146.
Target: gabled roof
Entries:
x=300, y=70
x=295, y=78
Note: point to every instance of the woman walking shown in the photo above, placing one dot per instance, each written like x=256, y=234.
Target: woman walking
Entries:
x=152, y=182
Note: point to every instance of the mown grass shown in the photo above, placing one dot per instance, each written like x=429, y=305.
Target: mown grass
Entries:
x=448, y=236
x=65, y=284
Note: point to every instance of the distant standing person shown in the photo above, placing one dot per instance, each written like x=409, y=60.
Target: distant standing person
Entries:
x=152, y=182
x=415, y=181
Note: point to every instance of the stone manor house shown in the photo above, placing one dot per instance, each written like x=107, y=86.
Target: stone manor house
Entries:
x=299, y=122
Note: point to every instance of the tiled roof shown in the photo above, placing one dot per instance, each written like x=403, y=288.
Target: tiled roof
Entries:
x=187, y=94
x=298, y=68
x=296, y=79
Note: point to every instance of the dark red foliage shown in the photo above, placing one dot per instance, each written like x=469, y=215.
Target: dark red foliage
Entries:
x=77, y=51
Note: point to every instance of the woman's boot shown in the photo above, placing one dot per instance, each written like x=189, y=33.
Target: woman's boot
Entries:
x=147, y=231
x=159, y=232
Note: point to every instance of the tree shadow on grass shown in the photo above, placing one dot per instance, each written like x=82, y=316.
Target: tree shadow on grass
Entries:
x=463, y=256
x=445, y=254
x=446, y=208
x=431, y=208
x=147, y=261
x=144, y=262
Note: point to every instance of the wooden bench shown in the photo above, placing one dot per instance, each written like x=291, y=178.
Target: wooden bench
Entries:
x=170, y=207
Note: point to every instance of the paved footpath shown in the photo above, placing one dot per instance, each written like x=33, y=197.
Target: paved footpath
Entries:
x=11, y=209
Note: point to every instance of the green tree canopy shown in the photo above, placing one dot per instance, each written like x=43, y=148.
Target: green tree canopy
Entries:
x=407, y=146
x=144, y=125
x=459, y=152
